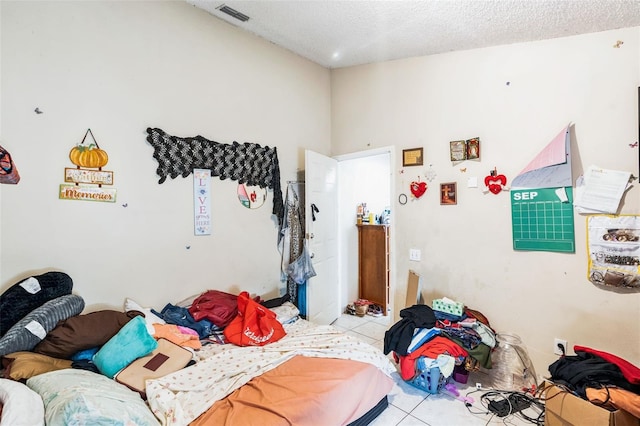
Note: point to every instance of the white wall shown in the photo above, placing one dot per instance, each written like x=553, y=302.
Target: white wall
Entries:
x=118, y=68
x=516, y=98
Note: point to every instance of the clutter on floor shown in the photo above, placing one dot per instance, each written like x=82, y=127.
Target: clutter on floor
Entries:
x=431, y=344
x=438, y=346
x=362, y=307
x=593, y=383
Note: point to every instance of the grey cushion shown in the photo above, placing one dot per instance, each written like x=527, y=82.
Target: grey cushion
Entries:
x=31, y=329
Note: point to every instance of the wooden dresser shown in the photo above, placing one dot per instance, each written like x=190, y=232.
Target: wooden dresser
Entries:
x=373, y=264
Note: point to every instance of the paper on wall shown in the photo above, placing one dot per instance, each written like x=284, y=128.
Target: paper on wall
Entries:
x=551, y=168
x=600, y=190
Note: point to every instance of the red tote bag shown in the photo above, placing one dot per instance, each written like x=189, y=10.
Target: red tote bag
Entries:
x=254, y=325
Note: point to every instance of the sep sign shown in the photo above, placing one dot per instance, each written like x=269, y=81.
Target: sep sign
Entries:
x=531, y=195
x=542, y=219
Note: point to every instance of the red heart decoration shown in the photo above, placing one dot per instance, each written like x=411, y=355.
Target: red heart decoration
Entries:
x=495, y=183
x=418, y=189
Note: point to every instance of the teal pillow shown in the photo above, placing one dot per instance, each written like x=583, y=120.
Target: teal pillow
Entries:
x=130, y=343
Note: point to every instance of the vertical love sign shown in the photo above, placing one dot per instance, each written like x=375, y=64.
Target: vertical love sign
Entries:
x=202, y=201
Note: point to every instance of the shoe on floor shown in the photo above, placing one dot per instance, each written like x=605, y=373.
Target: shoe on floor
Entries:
x=375, y=310
x=351, y=310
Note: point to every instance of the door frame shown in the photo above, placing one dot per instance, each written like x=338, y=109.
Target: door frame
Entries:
x=390, y=150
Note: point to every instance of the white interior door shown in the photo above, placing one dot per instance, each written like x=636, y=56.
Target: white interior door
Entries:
x=321, y=190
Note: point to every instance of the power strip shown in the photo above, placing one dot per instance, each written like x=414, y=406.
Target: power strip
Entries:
x=504, y=407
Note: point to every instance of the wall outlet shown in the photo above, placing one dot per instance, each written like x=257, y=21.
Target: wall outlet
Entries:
x=415, y=254
x=558, y=344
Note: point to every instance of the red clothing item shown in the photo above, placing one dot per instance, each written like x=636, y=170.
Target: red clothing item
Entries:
x=629, y=371
x=437, y=346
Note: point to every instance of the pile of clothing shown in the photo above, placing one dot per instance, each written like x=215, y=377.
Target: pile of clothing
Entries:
x=450, y=336
x=600, y=377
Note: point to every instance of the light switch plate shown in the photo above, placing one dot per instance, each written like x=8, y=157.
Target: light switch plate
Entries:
x=415, y=254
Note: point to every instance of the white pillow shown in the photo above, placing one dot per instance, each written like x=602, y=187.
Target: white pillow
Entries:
x=286, y=312
x=81, y=397
x=149, y=317
x=21, y=405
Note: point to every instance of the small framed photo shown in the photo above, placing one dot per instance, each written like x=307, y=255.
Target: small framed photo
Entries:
x=448, y=193
x=473, y=149
x=458, y=151
x=412, y=157
x=464, y=150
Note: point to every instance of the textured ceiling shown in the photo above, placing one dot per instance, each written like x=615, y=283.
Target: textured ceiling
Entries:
x=340, y=33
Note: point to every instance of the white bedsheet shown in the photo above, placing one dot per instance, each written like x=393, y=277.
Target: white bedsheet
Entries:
x=179, y=398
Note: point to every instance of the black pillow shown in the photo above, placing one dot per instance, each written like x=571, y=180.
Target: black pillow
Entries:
x=31, y=293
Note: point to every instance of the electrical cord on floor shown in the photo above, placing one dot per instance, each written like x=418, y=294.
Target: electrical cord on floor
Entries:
x=478, y=413
x=509, y=403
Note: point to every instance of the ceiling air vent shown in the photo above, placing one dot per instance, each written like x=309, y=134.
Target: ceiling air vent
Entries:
x=232, y=12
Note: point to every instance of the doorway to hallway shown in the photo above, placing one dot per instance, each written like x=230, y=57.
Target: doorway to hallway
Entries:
x=364, y=177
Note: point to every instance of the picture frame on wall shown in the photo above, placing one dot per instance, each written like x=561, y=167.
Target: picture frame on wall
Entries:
x=464, y=150
x=448, y=193
x=473, y=149
x=457, y=151
x=412, y=157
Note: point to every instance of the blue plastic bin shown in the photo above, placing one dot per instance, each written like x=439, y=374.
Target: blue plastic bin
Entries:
x=429, y=380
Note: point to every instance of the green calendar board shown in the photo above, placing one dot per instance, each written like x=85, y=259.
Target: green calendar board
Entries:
x=542, y=219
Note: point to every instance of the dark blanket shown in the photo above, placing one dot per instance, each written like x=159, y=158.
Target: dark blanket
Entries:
x=585, y=369
x=399, y=336
x=31, y=293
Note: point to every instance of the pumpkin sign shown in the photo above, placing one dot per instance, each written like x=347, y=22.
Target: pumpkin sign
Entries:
x=88, y=156
x=85, y=181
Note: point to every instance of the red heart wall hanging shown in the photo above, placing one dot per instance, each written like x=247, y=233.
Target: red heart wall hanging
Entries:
x=418, y=189
x=495, y=183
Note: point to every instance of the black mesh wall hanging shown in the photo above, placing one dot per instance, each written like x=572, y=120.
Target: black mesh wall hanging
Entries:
x=247, y=163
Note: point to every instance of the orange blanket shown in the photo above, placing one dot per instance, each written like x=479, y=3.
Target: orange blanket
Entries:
x=303, y=391
x=615, y=398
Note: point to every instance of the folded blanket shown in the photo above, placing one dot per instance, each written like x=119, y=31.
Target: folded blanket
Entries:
x=31, y=329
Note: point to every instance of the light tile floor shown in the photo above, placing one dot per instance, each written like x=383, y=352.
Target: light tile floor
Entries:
x=409, y=406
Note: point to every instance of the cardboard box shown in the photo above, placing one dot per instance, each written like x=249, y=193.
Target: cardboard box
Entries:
x=565, y=409
x=413, y=289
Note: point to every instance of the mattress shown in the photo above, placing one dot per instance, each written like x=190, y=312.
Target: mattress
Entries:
x=303, y=391
x=181, y=397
